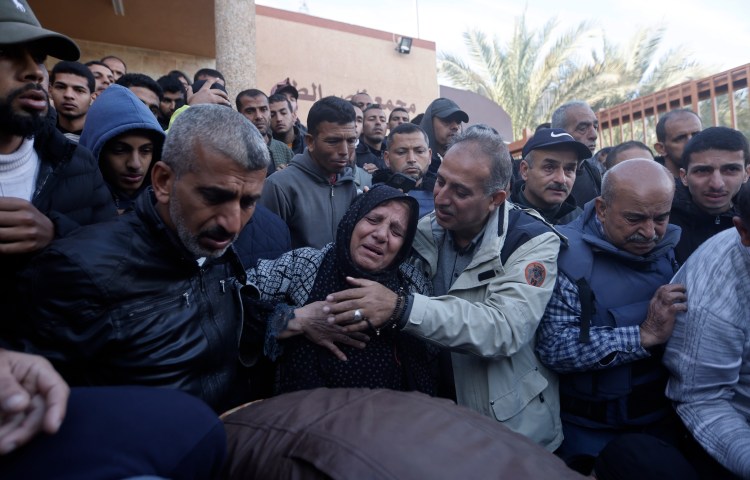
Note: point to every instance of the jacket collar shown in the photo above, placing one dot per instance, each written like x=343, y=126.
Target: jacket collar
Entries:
x=552, y=214
x=305, y=162
x=593, y=234
x=683, y=203
x=363, y=147
x=51, y=146
x=430, y=236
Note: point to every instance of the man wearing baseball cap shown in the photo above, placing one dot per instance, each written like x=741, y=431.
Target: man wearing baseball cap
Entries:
x=548, y=169
x=48, y=185
x=286, y=88
x=442, y=122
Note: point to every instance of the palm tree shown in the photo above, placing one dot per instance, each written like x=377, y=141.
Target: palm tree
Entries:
x=632, y=71
x=534, y=73
x=525, y=77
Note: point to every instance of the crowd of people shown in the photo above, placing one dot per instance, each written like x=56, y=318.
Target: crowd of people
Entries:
x=153, y=233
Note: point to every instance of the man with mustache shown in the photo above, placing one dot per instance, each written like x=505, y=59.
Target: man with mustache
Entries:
x=548, y=169
x=253, y=104
x=713, y=168
x=611, y=312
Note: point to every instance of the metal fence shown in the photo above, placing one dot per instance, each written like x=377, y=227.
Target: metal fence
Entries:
x=720, y=99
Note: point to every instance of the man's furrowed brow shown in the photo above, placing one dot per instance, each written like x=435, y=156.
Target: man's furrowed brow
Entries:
x=217, y=194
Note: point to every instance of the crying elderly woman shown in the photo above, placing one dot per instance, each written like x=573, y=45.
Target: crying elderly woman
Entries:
x=372, y=241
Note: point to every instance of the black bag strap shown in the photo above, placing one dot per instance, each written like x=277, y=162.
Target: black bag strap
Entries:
x=587, y=309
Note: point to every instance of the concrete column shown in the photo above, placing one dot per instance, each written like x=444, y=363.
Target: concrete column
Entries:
x=234, y=21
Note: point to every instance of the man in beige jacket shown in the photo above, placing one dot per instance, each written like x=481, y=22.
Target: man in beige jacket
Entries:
x=493, y=268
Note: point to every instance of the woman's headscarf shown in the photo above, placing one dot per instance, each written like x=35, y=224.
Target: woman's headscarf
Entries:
x=338, y=264
x=391, y=360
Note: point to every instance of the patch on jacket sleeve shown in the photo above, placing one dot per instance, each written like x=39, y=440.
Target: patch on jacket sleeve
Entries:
x=535, y=274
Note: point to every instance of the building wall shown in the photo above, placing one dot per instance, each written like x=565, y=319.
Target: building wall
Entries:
x=321, y=57
x=153, y=63
x=331, y=58
x=481, y=110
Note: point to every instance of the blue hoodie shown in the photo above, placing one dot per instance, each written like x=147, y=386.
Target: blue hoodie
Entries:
x=116, y=111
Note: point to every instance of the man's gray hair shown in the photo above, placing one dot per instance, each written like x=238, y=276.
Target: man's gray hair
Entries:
x=559, y=116
x=608, y=189
x=529, y=159
x=218, y=128
x=491, y=144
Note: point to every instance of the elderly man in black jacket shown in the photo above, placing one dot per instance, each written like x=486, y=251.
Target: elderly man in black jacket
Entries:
x=152, y=297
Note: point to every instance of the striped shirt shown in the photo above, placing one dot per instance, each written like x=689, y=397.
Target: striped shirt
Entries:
x=708, y=354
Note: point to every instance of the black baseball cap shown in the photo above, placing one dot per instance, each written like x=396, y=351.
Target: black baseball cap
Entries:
x=444, y=108
x=285, y=86
x=19, y=25
x=216, y=86
x=555, y=139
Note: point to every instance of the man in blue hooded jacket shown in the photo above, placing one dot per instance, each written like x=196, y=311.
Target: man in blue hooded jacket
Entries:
x=126, y=138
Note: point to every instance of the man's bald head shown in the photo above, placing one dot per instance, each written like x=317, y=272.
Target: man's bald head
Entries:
x=635, y=173
x=634, y=205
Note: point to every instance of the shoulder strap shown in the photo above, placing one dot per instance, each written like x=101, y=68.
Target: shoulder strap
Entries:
x=586, y=297
x=523, y=225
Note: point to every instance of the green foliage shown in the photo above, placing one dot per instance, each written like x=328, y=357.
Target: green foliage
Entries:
x=536, y=71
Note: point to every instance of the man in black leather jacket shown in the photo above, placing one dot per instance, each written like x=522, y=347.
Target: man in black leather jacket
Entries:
x=153, y=296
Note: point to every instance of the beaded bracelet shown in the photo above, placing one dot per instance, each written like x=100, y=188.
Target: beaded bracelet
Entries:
x=398, y=310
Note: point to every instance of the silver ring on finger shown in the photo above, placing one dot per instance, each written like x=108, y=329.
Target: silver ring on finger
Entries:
x=358, y=315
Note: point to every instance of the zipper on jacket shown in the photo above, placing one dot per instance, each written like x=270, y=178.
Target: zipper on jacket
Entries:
x=38, y=190
x=161, y=305
x=718, y=220
x=222, y=285
x=331, y=190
